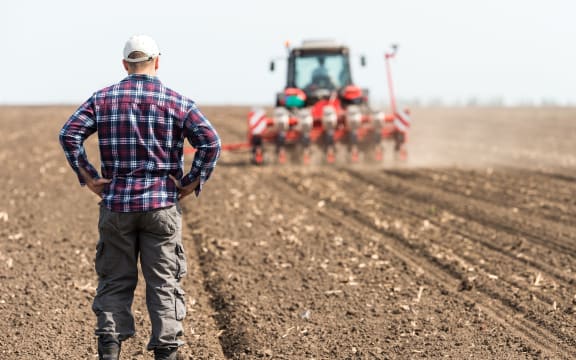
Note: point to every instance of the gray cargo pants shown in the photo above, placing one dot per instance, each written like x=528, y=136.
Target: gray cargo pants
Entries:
x=155, y=236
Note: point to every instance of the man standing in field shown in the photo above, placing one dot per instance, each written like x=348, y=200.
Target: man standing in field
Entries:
x=141, y=128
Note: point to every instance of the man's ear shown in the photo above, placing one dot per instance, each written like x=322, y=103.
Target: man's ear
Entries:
x=125, y=63
x=156, y=62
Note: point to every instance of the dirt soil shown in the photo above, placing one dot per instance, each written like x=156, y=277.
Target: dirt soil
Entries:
x=467, y=251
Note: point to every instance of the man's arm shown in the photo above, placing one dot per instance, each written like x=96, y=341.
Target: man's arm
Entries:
x=78, y=127
x=204, y=138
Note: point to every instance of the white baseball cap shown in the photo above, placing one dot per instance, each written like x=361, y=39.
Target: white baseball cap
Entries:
x=142, y=43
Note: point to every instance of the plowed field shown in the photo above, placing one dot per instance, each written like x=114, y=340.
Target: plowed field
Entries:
x=468, y=250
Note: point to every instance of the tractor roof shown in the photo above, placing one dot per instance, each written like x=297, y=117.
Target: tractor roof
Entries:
x=320, y=44
x=315, y=47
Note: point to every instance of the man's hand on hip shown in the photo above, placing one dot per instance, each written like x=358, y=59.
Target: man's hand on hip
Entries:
x=95, y=185
x=184, y=191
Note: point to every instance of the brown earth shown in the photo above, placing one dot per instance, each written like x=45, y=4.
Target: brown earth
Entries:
x=468, y=250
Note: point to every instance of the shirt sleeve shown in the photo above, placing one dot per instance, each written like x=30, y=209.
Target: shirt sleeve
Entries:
x=204, y=138
x=79, y=126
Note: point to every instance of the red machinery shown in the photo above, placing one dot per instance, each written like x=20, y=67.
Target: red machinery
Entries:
x=322, y=107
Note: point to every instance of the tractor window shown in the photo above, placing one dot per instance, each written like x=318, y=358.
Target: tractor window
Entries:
x=321, y=71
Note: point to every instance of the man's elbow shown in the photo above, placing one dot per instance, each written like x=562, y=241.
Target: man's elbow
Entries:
x=62, y=138
x=215, y=144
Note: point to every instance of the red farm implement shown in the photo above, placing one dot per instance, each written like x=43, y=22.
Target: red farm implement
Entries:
x=321, y=108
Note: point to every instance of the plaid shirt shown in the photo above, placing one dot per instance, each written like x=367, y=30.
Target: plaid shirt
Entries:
x=141, y=128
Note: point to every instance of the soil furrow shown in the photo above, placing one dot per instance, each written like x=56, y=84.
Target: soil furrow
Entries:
x=511, y=192
x=514, y=248
x=508, y=245
x=469, y=235
x=546, y=233
x=533, y=334
x=558, y=302
x=500, y=179
x=528, y=268
x=231, y=341
x=565, y=177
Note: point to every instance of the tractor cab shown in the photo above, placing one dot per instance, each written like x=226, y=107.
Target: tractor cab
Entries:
x=316, y=70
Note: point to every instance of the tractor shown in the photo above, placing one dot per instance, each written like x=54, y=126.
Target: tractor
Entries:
x=321, y=107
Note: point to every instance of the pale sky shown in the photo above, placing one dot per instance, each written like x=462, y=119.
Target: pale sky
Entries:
x=217, y=52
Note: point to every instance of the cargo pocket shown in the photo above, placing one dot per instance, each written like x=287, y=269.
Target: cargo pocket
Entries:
x=180, y=304
x=181, y=265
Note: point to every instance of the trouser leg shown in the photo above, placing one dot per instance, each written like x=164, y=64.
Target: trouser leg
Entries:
x=163, y=265
x=116, y=266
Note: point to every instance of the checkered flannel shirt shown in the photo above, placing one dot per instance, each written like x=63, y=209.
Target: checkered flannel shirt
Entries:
x=141, y=128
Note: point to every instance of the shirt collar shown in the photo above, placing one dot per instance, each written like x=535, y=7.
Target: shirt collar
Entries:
x=144, y=77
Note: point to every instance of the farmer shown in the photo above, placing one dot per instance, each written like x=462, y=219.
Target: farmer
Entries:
x=320, y=76
x=320, y=70
x=141, y=128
